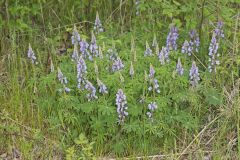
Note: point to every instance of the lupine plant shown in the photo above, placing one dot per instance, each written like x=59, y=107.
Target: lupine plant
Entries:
x=91, y=89
x=75, y=36
x=93, y=46
x=163, y=55
x=108, y=92
x=63, y=80
x=75, y=54
x=98, y=25
x=171, y=42
x=81, y=72
x=121, y=102
x=96, y=99
x=194, y=75
x=179, y=67
x=31, y=55
x=194, y=40
x=154, y=86
x=84, y=50
x=187, y=48
x=148, y=51
x=151, y=108
x=102, y=87
x=213, y=47
x=117, y=65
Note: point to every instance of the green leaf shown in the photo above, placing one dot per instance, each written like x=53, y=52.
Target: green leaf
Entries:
x=87, y=107
x=213, y=97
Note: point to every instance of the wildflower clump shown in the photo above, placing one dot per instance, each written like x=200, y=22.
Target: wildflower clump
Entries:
x=171, y=43
x=98, y=25
x=121, y=102
x=213, y=47
x=81, y=72
x=194, y=75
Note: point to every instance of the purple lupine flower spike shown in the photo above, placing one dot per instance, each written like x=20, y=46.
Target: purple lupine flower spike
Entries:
x=112, y=53
x=156, y=86
x=75, y=36
x=151, y=72
x=179, y=68
x=98, y=25
x=153, y=82
x=93, y=46
x=102, y=87
x=81, y=72
x=131, y=71
x=161, y=56
x=117, y=65
x=213, y=47
x=187, y=48
x=171, y=43
x=75, y=53
x=219, y=31
x=151, y=108
x=194, y=75
x=213, y=53
x=194, y=40
x=63, y=80
x=165, y=53
x=31, y=55
x=148, y=51
x=84, y=50
x=92, y=95
x=121, y=102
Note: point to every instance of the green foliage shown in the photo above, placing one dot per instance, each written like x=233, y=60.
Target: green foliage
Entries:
x=81, y=150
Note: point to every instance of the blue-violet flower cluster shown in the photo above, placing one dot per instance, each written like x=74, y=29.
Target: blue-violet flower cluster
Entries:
x=98, y=25
x=81, y=72
x=121, y=102
x=92, y=91
x=117, y=65
x=179, y=67
x=171, y=43
x=151, y=108
x=194, y=75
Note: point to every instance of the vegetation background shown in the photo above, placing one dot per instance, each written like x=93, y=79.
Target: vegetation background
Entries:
x=37, y=122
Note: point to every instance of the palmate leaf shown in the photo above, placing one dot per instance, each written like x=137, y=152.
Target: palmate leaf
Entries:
x=87, y=107
x=134, y=110
x=134, y=127
x=213, y=97
x=185, y=119
x=106, y=109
